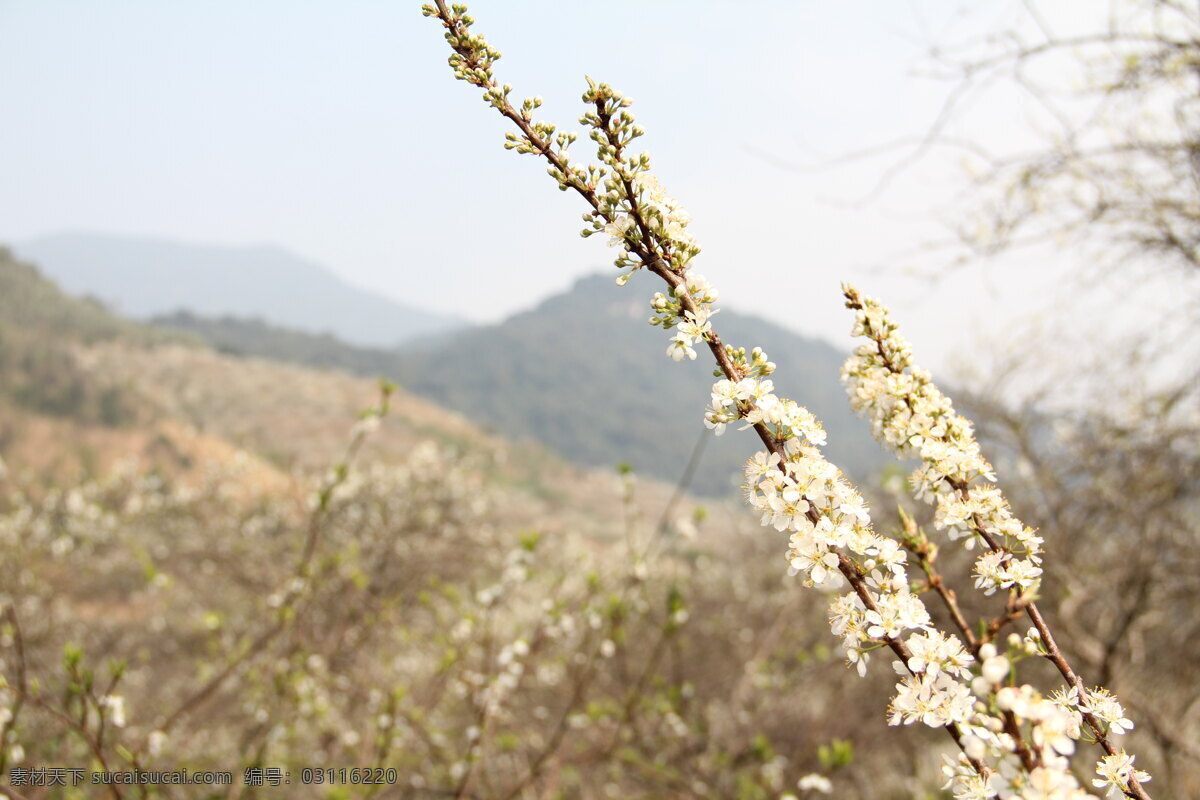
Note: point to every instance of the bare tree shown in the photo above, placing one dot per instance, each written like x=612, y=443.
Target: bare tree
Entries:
x=1117, y=167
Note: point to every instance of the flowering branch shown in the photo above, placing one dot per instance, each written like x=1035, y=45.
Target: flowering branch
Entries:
x=796, y=489
x=649, y=226
x=912, y=416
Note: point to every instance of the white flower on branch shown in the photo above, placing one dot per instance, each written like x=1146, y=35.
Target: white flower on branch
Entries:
x=935, y=700
x=1115, y=772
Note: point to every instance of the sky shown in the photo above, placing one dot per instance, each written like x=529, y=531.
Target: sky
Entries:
x=336, y=131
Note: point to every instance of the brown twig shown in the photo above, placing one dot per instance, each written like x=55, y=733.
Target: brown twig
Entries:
x=915, y=542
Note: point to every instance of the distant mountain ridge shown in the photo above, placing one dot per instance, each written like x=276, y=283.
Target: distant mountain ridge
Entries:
x=586, y=375
x=143, y=277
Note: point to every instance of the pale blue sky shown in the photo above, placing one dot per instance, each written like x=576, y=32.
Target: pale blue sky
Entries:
x=335, y=130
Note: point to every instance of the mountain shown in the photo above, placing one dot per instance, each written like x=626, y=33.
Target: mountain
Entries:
x=141, y=277
x=586, y=375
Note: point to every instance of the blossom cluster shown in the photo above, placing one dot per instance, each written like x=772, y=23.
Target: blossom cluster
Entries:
x=631, y=205
x=916, y=420
x=691, y=326
x=912, y=416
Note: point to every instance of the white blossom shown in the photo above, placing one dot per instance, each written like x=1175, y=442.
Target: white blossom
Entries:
x=1115, y=772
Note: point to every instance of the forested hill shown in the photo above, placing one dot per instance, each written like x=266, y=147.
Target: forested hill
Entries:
x=584, y=374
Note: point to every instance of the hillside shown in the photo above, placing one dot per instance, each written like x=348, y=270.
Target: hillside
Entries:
x=82, y=390
x=240, y=570
x=39, y=327
x=585, y=375
x=141, y=277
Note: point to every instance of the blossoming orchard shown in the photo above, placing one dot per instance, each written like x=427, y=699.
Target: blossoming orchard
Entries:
x=1006, y=738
